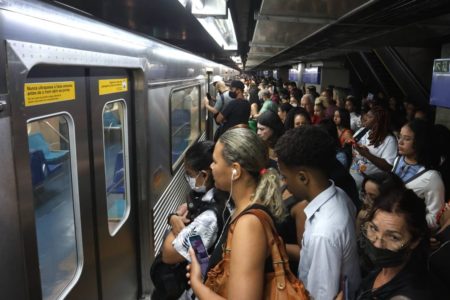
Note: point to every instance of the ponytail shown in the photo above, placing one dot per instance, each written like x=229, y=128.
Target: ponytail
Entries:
x=268, y=193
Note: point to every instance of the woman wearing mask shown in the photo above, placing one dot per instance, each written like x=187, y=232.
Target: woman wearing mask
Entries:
x=202, y=215
x=395, y=239
x=239, y=159
x=414, y=166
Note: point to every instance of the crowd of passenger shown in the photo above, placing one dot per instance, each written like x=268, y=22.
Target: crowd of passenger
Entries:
x=356, y=188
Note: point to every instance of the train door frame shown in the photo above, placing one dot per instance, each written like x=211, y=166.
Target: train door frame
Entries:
x=22, y=57
x=110, y=87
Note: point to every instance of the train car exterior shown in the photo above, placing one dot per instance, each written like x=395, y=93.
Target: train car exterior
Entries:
x=94, y=123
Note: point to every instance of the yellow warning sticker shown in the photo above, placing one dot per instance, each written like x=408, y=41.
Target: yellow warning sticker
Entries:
x=111, y=86
x=48, y=92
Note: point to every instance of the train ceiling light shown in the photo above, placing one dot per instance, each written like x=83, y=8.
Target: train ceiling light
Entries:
x=206, y=8
x=215, y=18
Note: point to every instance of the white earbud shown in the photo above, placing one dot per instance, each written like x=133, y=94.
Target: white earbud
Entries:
x=233, y=173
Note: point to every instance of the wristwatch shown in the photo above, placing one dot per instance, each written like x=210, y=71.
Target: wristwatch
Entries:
x=169, y=216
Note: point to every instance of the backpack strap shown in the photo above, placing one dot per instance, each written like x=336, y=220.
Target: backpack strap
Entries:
x=360, y=134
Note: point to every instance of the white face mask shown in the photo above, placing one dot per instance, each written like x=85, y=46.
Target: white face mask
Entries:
x=192, y=181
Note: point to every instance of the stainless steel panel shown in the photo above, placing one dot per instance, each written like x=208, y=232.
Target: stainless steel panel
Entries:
x=32, y=54
x=290, y=21
x=13, y=282
x=331, y=9
x=174, y=195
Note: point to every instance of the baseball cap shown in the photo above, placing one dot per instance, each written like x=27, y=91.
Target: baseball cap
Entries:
x=237, y=84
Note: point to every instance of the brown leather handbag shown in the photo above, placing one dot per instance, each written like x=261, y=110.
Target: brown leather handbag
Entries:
x=279, y=285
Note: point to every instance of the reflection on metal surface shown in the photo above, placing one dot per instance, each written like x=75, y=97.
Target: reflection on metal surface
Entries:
x=292, y=19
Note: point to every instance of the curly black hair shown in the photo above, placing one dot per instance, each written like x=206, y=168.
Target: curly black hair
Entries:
x=307, y=146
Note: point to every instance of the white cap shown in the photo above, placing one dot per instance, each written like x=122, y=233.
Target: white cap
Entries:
x=216, y=78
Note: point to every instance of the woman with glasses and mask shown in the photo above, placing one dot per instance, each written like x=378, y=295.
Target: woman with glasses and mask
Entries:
x=202, y=214
x=395, y=239
x=415, y=166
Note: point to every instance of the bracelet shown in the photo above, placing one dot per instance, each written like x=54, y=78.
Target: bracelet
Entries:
x=170, y=216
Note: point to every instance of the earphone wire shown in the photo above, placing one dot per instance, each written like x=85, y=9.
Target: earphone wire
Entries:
x=227, y=207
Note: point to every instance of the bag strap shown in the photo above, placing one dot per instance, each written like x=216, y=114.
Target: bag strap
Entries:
x=280, y=260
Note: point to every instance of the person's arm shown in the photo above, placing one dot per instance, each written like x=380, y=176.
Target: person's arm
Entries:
x=210, y=108
x=263, y=109
x=434, y=198
x=177, y=246
x=347, y=136
x=248, y=254
x=178, y=222
x=220, y=118
x=169, y=254
x=379, y=162
x=249, y=247
x=223, y=115
x=196, y=282
x=253, y=110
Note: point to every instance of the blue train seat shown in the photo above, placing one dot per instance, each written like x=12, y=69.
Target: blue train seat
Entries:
x=117, y=185
x=110, y=119
x=37, y=142
x=40, y=169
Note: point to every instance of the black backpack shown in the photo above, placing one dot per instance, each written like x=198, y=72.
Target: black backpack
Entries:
x=170, y=280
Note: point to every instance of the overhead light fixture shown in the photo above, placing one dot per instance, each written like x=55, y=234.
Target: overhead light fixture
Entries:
x=206, y=8
x=221, y=30
x=214, y=16
x=198, y=5
x=236, y=59
x=184, y=2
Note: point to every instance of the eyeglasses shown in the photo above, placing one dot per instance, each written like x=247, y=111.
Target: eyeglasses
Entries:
x=390, y=241
x=405, y=138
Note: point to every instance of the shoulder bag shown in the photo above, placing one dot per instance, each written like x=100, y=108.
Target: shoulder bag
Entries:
x=278, y=285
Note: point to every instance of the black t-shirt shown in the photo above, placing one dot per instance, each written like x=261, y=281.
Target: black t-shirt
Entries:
x=236, y=112
x=411, y=282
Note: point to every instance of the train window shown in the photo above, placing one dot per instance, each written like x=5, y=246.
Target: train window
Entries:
x=116, y=164
x=56, y=203
x=184, y=120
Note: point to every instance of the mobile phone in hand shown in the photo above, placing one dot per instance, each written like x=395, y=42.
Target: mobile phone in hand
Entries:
x=208, y=95
x=200, y=252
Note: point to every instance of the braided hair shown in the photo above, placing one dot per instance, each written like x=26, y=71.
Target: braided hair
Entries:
x=380, y=126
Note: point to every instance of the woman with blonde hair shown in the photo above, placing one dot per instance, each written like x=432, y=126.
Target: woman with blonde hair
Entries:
x=239, y=161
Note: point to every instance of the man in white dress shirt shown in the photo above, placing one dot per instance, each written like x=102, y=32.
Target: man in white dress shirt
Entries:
x=328, y=250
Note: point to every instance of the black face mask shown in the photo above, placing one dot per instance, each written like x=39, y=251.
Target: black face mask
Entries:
x=384, y=258
x=232, y=94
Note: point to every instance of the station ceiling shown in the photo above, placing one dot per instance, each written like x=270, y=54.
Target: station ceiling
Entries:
x=274, y=33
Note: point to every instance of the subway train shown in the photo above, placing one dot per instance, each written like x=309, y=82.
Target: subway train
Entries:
x=94, y=122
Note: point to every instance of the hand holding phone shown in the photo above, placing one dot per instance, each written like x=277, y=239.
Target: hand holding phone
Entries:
x=200, y=252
